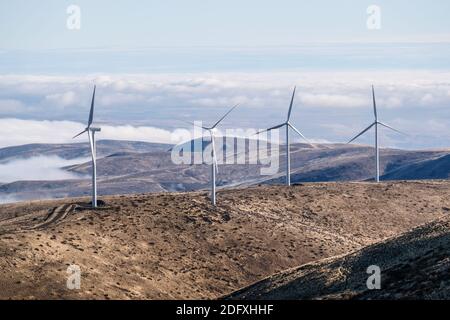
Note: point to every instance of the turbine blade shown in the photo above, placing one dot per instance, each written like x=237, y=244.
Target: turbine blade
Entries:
x=214, y=152
x=299, y=133
x=215, y=125
x=362, y=132
x=270, y=129
x=374, y=104
x=259, y=132
x=80, y=134
x=195, y=125
x=290, y=106
x=389, y=127
x=91, y=113
x=92, y=145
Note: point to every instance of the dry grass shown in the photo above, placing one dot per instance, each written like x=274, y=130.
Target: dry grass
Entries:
x=163, y=246
x=414, y=265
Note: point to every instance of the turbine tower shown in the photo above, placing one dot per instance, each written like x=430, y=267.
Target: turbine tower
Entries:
x=375, y=124
x=91, y=134
x=214, y=167
x=288, y=125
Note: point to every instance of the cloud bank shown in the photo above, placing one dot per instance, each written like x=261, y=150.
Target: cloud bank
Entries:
x=121, y=96
x=9, y=199
x=38, y=168
x=329, y=106
x=18, y=132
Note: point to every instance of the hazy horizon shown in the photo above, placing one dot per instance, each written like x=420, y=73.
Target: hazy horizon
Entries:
x=158, y=64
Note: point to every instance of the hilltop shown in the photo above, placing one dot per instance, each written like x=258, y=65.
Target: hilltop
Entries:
x=175, y=245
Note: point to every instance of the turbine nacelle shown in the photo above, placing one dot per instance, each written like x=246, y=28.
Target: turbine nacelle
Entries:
x=211, y=130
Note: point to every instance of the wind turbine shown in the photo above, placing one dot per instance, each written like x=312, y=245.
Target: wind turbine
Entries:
x=91, y=134
x=375, y=124
x=214, y=167
x=288, y=125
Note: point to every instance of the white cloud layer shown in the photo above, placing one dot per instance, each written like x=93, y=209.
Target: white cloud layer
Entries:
x=144, y=106
x=8, y=199
x=38, y=168
x=316, y=89
x=18, y=132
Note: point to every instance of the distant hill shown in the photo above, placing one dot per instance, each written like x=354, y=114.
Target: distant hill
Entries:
x=436, y=168
x=137, y=167
x=77, y=150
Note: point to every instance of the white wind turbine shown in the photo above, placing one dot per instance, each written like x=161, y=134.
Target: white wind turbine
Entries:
x=375, y=124
x=214, y=167
x=288, y=125
x=91, y=134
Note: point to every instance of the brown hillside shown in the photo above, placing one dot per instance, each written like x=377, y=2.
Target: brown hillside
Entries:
x=157, y=246
x=414, y=265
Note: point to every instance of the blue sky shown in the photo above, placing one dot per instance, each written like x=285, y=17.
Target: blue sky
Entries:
x=203, y=36
x=135, y=24
x=159, y=62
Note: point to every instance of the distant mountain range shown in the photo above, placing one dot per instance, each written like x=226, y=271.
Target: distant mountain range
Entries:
x=77, y=150
x=126, y=167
